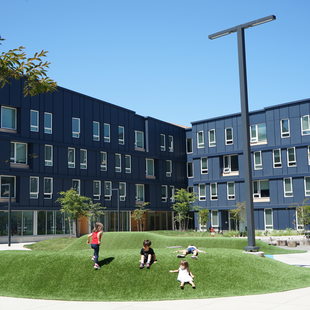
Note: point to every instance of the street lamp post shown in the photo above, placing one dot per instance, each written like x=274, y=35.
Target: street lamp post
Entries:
x=118, y=211
x=9, y=214
x=245, y=121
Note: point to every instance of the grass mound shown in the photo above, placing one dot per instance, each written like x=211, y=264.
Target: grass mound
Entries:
x=62, y=269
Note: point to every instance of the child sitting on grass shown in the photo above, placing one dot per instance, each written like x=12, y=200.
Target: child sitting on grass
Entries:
x=147, y=255
x=184, y=276
x=94, y=239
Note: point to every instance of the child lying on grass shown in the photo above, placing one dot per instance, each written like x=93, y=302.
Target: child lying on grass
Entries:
x=191, y=249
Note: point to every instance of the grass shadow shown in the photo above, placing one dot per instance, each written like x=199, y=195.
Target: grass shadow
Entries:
x=106, y=261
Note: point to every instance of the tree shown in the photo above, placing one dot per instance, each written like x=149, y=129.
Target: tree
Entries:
x=182, y=207
x=203, y=216
x=96, y=210
x=303, y=213
x=74, y=206
x=14, y=64
x=238, y=214
x=138, y=214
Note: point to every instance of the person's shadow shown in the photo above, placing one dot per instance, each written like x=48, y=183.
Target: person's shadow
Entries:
x=106, y=261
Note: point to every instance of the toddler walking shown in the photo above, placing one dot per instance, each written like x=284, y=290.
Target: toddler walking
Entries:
x=184, y=276
x=94, y=239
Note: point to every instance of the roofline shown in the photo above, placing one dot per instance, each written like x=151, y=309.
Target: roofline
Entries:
x=251, y=112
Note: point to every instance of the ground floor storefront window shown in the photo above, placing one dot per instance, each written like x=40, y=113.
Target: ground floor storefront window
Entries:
x=110, y=221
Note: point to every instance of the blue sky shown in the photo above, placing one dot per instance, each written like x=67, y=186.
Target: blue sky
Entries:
x=155, y=58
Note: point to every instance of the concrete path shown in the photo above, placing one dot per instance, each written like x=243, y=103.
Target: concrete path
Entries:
x=296, y=259
x=14, y=247
x=296, y=299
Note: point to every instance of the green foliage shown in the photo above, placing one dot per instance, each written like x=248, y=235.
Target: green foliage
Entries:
x=138, y=214
x=182, y=207
x=96, y=211
x=203, y=216
x=14, y=64
x=303, y=213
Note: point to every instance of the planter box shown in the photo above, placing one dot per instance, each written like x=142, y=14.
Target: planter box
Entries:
x=282, y=242
x=292, y=244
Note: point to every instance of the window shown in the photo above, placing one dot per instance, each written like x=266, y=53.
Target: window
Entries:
x=299, y=222
x=107, y=190
x=34, y=120
x=162, y=142
x=231, y=190
x=71, y=157
x=139, y=192
x=202, y=192
x=172, y=191
x=34, y=187
x=121, y=135
x=96, y=131
x=204, y=165
x=149, y=163
x=76, y=184
x=291, y=157
x=230, y=164
x=18, y=153
x=190, y=189
x=213, y=191
x=200, y=139
x=258, y=133
x=212, y=138
x=118, y=163
x=75, y=127
x=122, y=191
x=285, y=128
x=268, y=215
x=170, y=143
x=190, y=170
x=308, y=155
x=214, y=218
x=139, y=139
x=305, y=125
x=277, y=161
x=48, y=123
x=127, y=163
x=288, y=187
x=48, y=188
x=261, y=189
x=104, y=161
x=83, y=159
x=106, y=132
x=97, y=190
x=8, y=118
x=164, y=193
x=189, y=145
x=48, y=155
x=258, y=161
x=5, y=180
x=229, y=139
x=168, y=168
x=307, y=186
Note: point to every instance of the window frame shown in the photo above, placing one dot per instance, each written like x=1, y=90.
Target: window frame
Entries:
x=121, y=140
x=289, y=193
x=106, y=129
x=307, y=191
x=34, y=195
x=260, y=165
x=13, y=159
x=96, y=135
x=97, y=196
x=162, y=146
x=291, y=163
x=305, y=132
x=200, y=145
x=212, y=220
x=172, y=190
x=165, y=197
x=146, y=167
x=192, y=146
x=34, y=128
x=200, y=196
x=273, y=159
x=255, y=140
x=268, y=227
x=103, y=166
x=187, y=165
x=128, y=169
x=204, y=170
x=259, y=192
x=76, y=134
x=214, y=196
x=14, y=184
x=15, y=117
x=142, y=148
x=118, y=168
x=212, y=143
x=229, y=141
x=168, y=172
x=71, y=164
x=136, y=191
x=308, y=154
x=122, y=197
x=231, y=196
x=170, y=143
x=48, y=130
x=48, y=195
x=109, y=195
x=49, y=162
x=288, y=133
x=79, y=185
x=83, y=165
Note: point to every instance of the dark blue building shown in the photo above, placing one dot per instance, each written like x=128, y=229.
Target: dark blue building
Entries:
x=52, y=142
x=280, y=146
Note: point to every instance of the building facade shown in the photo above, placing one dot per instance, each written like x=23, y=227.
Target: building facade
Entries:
x=56, y=141
x=280, y=152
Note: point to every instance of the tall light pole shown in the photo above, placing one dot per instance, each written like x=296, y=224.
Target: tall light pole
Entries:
x=9, y=213
x=118, y=210
x=245, y=121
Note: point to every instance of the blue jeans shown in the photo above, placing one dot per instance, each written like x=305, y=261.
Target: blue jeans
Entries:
x=96, y=248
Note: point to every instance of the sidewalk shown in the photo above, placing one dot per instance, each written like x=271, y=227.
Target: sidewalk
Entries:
x=296, y=299
x=296, y=259
x=14, y=247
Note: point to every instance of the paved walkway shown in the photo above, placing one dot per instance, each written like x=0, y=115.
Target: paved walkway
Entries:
x=296, y=299
x=14, y=247
x=296, y=259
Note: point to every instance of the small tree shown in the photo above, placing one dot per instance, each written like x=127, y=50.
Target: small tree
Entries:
x=238, y=214
x=182, y=207
x=303, y=213
x=96, y=210
x=14, y=64
x=74, y=206
x=203, y=216
x=138, y=214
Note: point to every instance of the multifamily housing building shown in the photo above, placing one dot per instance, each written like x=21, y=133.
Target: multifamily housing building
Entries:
x=56, y=141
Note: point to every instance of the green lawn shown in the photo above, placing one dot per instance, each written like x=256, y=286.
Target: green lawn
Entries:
x=62, y=269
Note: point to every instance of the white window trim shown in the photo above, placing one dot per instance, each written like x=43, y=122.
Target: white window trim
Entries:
x=8, y=176
x=268, y=228
x=118, y=168
x=128, y=169
x=201, y=197
x=96, y=137
x=231, y=197
x=213, y=197
x=49, y=162
x=77, y=133
x=48, y=195
x=294, y=163
x=202, y=144
x=305, y=187
x=121, y=141
x=15, y=121
x=136, y=146
x=308, y=154
x=258, y=196
x=302, y=131
x=227, y=170
x=254, y=140
x=146, y=167
x=71, y=164
x=217, y=214
x=256, y=166
x=163, y=146
x=106, y=138
x=164, y=198
x=289, y=193
x=298, y=225
x=34, y=195
x=35, y=128
x=273, y=157
x=189, y=162
x=13, y=159
x=204, y=171
x=79, y=186
x=229, y=141
x=172, y=189
x=97, y=196
x=104, y=167
x=285, y=134
x=48, y=128
x=83, y=165
x=169, y=173
x=108, y=197
x=212, y=143
x=171, y=146
x=122, y=197
x=143, y=193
